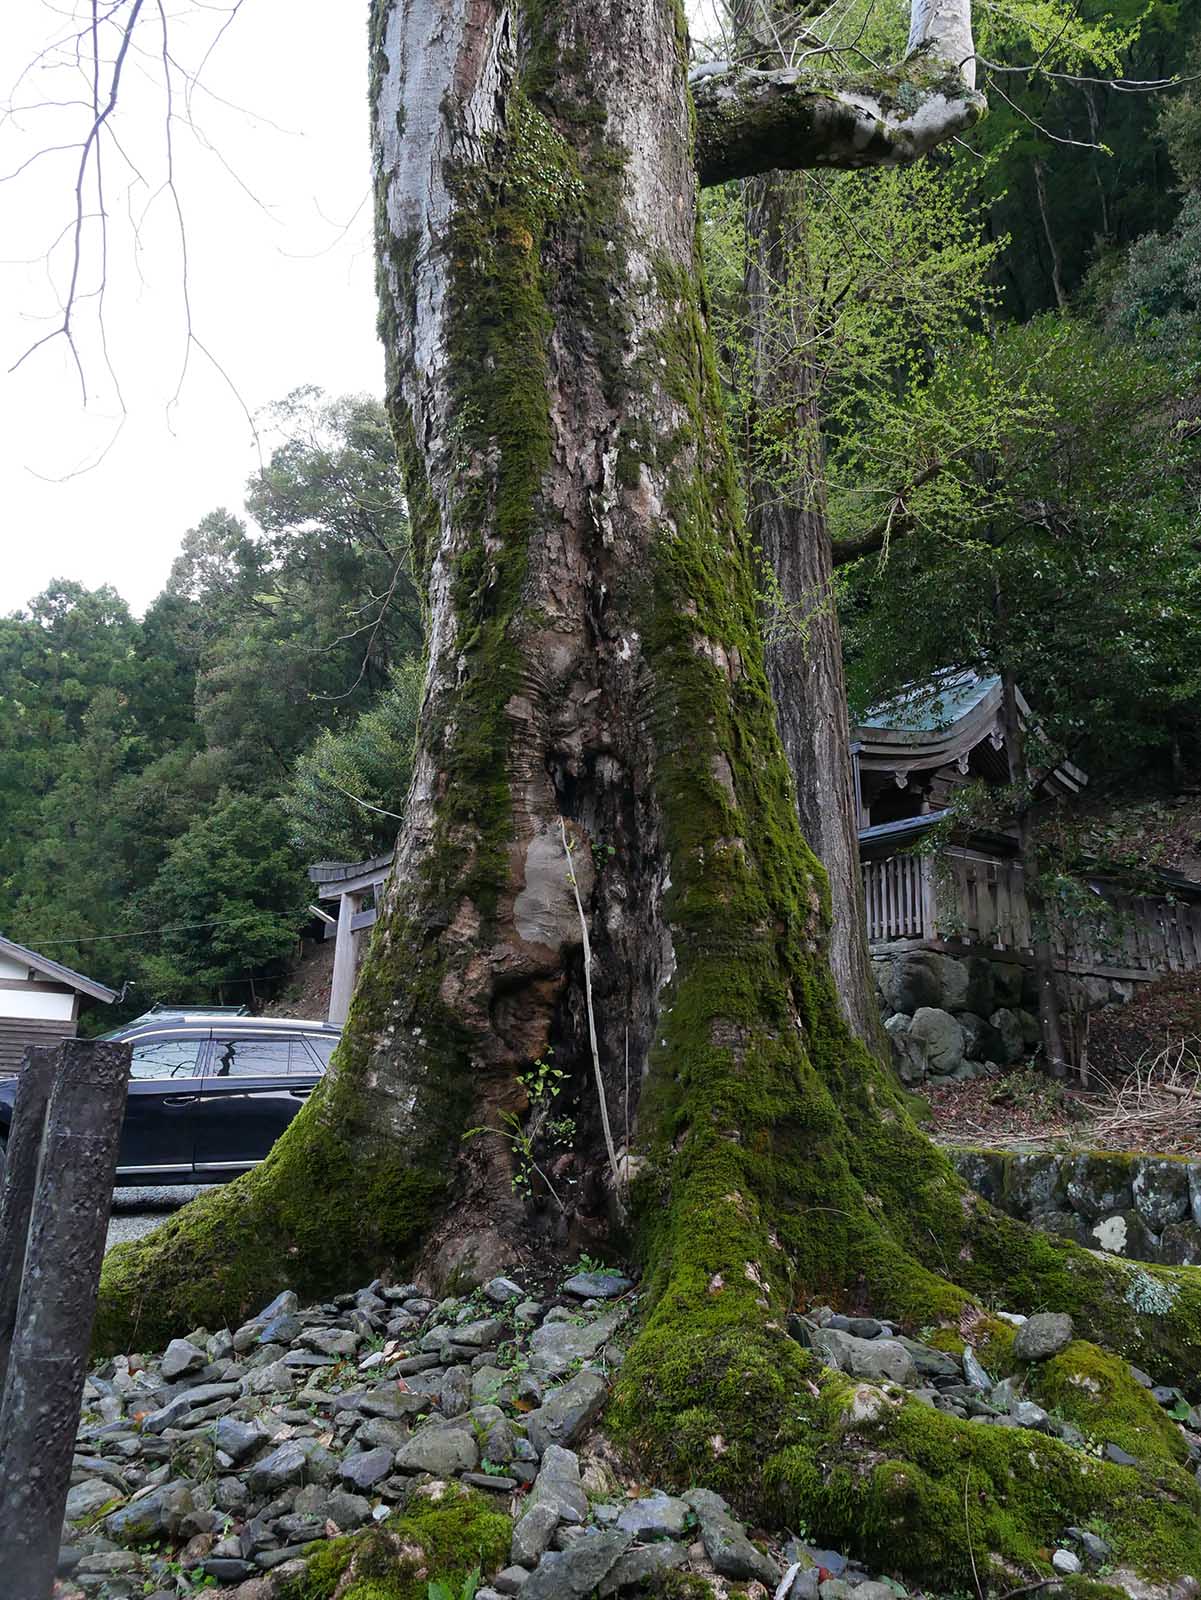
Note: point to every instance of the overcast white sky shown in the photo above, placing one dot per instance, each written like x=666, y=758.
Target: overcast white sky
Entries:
x=281, y=289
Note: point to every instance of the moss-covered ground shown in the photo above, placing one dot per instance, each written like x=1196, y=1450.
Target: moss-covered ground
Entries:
x=443, y=1536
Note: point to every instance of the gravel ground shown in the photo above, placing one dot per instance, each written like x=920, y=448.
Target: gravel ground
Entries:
x=137, y=1211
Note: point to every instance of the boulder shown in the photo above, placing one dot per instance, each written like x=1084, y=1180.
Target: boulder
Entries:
x=154, y=1516
x=282, y=1466
x=865, y=1358
x=1123, y=1234
x=369, y=1467
x=1032, y=1185
x=501, y=1290
x=1161, y=1191
x=981, y=1170
x=181, y=1358
x=597, y=1285
x=655, y=1516
x=908, y=1057
x=441, y=1448
x=1008, y=983
x=928, y=1362
x=575, y=1572
x=239, y=1439
x=89, y=1497
x=567, y=1411
x=726, y=1543
x=981, y=986
x=940, y=1037
x=1180, y=1245
x=1043, y=1335
x=455, y=1396
x=558, y=1485
x=918, y=978
x=532, y=1535
x=637, y=1568
x=1008, y=1027
x=483, y=1335
x=1032, y=1033
x=1099, y=1185
x=275, y=1378
x=981, y=1042
x=556, y=1346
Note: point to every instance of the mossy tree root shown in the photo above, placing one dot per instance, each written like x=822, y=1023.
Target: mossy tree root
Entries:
x=350, y=1188
x=790, y=1170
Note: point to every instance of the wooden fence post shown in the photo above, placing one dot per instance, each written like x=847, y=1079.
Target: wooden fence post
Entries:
x=20, y=1175
x=49, y=1359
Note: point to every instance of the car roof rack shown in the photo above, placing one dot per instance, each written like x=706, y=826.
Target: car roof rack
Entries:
x=160, y=1010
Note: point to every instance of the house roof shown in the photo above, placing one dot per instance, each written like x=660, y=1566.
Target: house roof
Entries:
x=55, y=969
x=942, y=720
x=935, y=706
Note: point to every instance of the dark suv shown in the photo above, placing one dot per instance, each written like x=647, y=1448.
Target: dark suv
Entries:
x=208, y=1095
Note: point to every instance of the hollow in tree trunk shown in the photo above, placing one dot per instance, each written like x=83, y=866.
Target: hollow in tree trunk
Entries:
x=594, y=656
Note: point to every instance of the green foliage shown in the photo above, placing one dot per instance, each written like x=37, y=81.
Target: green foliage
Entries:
x=1152, y=295
x=349, y=785
x=231, y=893
x=1082, y=532
x=440, y=1589
x=1080, y=169
x=141, y=762
x=527, y=1134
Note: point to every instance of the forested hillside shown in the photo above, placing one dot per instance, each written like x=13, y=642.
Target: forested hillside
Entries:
x=147, y=765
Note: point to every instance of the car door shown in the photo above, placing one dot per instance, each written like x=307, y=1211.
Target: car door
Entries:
x=250, y=1094
x=158, y=1134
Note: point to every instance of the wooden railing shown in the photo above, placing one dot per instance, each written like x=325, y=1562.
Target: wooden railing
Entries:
x=895, y=891
x=965, y=897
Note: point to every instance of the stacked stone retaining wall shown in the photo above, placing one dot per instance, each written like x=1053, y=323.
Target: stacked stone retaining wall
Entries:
x=1144, y=1207
x=950, y=1018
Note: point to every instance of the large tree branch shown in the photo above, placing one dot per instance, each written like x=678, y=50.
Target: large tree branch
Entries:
x=750, y=120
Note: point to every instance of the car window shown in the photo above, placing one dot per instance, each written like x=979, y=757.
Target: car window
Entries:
x=164, y=1058
x=246, y=1058
x=323, y=1049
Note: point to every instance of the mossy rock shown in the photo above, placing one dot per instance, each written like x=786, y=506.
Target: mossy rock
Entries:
x=1094, y=1390
x=447, y=1533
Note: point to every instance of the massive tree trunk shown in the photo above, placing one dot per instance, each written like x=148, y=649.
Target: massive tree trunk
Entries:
x=594, y=656
x=803, y=644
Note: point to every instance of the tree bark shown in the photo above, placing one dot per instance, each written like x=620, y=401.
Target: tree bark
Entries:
x=803, y=653
x=1020, y=778
x=594, y=655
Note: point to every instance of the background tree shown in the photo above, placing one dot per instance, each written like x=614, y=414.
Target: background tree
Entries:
x=349, y=786
x=124, y=738
x=229, y=896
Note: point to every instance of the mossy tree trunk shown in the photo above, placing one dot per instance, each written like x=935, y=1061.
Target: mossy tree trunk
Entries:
x=787, y=522
x=594, y=662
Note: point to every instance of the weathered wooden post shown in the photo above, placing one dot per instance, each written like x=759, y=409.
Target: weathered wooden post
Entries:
x=20, y=1175
x=49, y=1357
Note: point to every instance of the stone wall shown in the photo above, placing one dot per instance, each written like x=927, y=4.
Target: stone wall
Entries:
x=957, y=1017
x=1141, y=1206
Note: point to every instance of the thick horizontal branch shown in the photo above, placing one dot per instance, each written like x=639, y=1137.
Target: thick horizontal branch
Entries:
x=750, y=121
